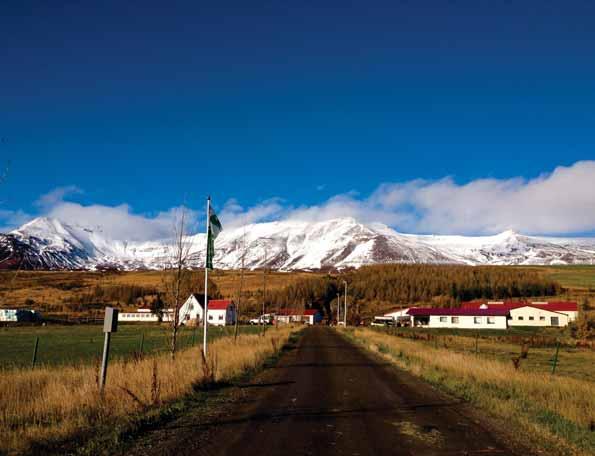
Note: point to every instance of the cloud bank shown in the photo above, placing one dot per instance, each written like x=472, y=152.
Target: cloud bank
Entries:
x=561, y=202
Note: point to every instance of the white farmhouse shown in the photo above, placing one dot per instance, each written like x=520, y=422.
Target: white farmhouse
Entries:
x=460, y=318
x=221, y=312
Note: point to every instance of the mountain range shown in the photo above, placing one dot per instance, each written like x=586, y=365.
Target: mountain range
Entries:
x=48, y=243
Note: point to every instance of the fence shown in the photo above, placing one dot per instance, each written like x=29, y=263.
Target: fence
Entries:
x=58, y=345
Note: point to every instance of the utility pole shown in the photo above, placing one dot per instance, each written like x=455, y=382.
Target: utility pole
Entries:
x=345, y=310
x=264, y=290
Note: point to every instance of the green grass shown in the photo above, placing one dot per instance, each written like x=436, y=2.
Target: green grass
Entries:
x=59, y=345
x=580, y=276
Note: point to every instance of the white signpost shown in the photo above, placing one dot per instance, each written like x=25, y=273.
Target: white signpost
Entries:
x=110, y=325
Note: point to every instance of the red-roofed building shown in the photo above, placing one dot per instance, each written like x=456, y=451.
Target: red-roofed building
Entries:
x=531, y=313
x=308, y=316
x=460, y=318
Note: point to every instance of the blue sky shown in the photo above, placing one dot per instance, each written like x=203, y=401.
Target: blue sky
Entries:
x=285, y=108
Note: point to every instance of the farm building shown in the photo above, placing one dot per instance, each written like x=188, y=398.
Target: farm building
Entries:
x=554, y=313
x=221, y=312
x=536, y=316
x=308, y=316
x=142, y=315
x=460, y=318
x=399, y=316
x=18, y=315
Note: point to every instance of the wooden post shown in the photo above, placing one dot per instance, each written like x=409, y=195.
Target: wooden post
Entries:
x=34, y=359
x=476, y=343
x=555, y=360
x=110, y=324
x=142, y=343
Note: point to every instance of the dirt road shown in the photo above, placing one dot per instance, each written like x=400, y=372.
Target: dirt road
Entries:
x=326, y=397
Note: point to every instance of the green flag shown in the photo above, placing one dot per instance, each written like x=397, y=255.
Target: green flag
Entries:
x=213, y=231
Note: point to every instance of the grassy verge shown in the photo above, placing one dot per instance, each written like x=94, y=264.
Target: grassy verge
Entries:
x=553, y=413
x=39, y=409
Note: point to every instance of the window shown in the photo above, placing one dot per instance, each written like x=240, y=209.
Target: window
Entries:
x=220, y=317
x=477, y=320
x=542, y=318
x=210, y=317
x=454, y=320
x=443, y=319
x=521, y=317
x=531, y=318
x=491, y=320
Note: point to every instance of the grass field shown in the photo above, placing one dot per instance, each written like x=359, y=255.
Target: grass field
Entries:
x=554, y=413
x=46, y=408
x=71, y=345
x=581, y=277
x=574, y=362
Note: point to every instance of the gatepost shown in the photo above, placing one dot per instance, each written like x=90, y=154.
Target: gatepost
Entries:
x=110, y=325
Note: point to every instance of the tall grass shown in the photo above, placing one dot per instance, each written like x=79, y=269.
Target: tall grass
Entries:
x=54, y=404
x=558, y=412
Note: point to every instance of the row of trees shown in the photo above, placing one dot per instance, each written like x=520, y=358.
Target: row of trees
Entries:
x=438, y=285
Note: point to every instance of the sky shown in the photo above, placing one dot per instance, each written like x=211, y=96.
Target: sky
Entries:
x=432, y=117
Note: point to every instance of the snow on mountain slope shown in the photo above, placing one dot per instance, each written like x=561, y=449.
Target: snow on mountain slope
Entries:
x=46, y=243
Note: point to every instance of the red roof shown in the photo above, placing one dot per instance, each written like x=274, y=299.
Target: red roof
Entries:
x=219, y=304
x=426, y=312
x=553, y=306
x=287, y=312
x=557, y=306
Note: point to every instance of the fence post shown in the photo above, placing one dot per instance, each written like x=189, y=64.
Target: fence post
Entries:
x=142, y=343
x=34, y=359
x=555, y=360
x=476, y=343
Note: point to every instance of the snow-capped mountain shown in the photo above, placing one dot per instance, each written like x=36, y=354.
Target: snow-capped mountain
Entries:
x=46, y=243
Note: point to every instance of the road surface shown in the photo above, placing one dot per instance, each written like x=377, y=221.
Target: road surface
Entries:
x=329, y=397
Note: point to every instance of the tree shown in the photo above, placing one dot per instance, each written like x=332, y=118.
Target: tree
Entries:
x=177, y=277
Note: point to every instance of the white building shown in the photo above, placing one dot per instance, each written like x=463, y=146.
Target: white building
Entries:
x=221, y=312
x=399, y=316
x=16, y=315
x=460, y=318
x=535, y=316
x=535, y=313
x=308, y=316
x=141, y=315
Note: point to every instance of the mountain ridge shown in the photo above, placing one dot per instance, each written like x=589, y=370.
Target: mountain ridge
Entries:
x=48, y=243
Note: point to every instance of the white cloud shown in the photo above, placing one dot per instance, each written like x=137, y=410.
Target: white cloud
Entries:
x=233, y=215
x=119, y=222
x=56, y=196
x=560, y=202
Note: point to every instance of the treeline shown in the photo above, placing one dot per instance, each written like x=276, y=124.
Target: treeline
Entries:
x=413, y=283
x=436, y=285
x=123, y=294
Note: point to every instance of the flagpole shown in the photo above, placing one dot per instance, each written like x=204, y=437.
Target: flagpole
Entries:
x=206, y=311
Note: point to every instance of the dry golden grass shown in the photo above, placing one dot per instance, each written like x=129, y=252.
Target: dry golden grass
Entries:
x=53, y=404
x=540, y=403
